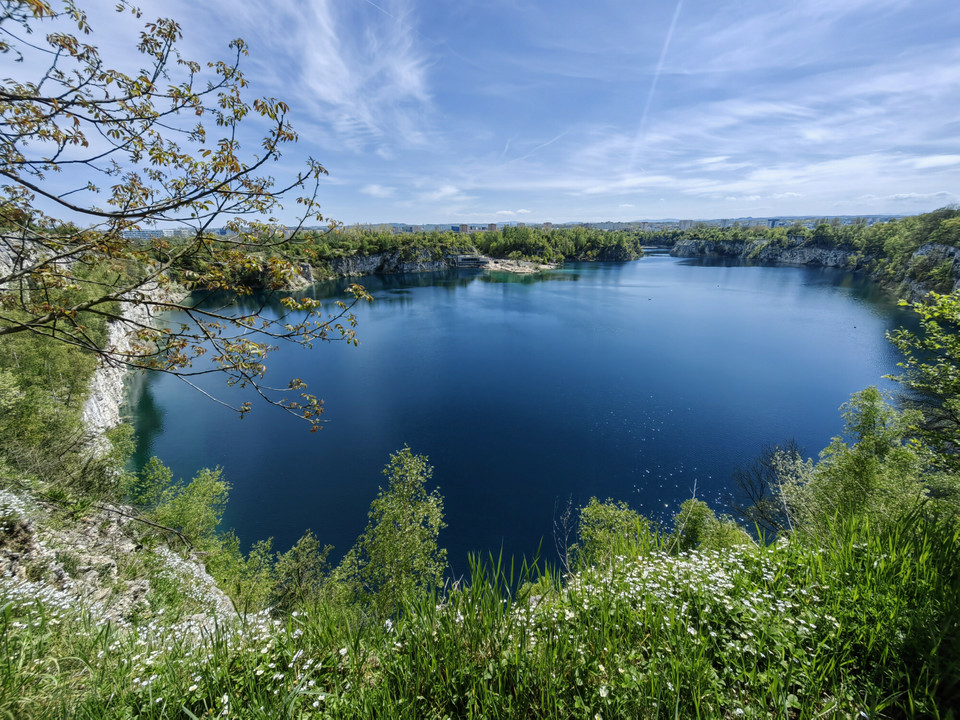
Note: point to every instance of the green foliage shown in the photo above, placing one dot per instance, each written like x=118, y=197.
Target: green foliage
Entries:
x=873, y=471
x=42, y=388
x=301, y=573
x=248, y=579
x=866, y=623
x=515, y=243
x=696, y=526
x=193, y=509
x=932, y=372
x=147, y=487
x=888, y=251
x=397, y=555
x=557, y=245
x=319, y=247
x=609, y=529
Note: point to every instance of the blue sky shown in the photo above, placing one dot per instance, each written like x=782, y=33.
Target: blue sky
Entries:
x=506, y=111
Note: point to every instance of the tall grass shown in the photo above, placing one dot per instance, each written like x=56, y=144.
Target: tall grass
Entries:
x=865, y=626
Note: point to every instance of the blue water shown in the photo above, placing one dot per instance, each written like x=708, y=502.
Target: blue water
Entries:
x=645, y=382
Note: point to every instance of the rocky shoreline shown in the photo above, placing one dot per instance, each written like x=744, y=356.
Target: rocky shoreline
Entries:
x=398, y=262
x=794, y=252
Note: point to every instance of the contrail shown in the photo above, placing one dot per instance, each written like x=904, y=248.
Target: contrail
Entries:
x=653, y=85
x=370, y=2
x=539, y=147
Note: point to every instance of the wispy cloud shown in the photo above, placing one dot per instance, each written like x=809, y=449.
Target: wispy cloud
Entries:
x=357, y=71
x=554, y=110
x=379, y=191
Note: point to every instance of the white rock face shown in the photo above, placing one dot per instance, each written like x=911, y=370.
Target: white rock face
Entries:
x=393, y=262
x=794, y=253
x=101, y=411
x=102, y=408
x=6, y=262
x=791, y=254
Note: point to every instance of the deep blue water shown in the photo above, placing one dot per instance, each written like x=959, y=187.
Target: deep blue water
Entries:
x=638, y=381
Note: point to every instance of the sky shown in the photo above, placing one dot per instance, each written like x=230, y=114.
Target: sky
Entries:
x=566, y=110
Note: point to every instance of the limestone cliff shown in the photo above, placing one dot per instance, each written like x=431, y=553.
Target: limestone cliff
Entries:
x=791, y=253
x=393, y=261
x=913, y=279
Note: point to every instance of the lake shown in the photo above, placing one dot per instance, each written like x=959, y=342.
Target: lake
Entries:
x=644, y=381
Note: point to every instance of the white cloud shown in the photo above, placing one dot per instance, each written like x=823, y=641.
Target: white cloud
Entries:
x=358, y=72
x=943, y=197
x=932, y=161
x=380, y=191
x=444, y=192
x=758, y=104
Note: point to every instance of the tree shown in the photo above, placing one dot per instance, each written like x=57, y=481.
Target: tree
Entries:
x=300, y=574
x=149, y=161
x=760, y=499
x=397, y=555
x=932, y=372
x=696, y=526
x=873, y=470
x=608, y=529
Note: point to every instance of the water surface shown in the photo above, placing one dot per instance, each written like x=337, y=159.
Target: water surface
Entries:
x=644, y=381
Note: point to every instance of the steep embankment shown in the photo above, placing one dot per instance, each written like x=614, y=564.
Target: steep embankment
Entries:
x=911, y=277
x=392, y=261
x=93, y=554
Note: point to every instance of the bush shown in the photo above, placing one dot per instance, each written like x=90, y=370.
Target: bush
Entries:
x=696, y=526
x=608, y=529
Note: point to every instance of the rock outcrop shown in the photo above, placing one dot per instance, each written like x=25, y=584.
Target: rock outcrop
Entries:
x=792, y=253
x=913, y=281
x=105, y=396
x=394, y=261
x=94, y=562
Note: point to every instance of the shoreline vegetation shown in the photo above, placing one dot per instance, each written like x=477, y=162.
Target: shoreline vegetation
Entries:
x=909, y=257
x=121, y=595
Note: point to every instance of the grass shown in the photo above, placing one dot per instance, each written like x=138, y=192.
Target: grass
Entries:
x=865, y=626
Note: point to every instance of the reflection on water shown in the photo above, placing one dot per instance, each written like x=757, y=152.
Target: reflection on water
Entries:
x=638, y=381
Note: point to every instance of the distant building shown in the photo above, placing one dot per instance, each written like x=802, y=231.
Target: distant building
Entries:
x=491, y=227
x=464, y=228
x=686, y=224
x=521, y=224
x=168, y=232
x=548, y=226
x=142, y=234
